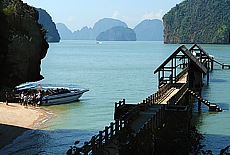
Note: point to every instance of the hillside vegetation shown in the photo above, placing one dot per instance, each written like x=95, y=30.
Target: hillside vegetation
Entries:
x=198, y=21
x=117, y=33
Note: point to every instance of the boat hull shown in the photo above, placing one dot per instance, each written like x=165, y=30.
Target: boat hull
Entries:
x=62, y=98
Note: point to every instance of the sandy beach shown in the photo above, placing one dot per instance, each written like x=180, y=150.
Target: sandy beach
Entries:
x=15, y=119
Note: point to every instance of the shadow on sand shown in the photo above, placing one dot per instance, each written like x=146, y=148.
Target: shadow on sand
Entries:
x=8, y=133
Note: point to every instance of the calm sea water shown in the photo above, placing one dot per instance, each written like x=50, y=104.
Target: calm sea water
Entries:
x=113, y=71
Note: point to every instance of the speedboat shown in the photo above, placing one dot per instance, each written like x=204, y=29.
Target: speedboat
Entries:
x=52, y=95
x=60, y=95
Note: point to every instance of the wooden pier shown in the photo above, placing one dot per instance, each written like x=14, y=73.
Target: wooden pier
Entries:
x=137, y=127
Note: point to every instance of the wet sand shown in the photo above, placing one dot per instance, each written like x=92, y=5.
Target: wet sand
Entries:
x=16, y=119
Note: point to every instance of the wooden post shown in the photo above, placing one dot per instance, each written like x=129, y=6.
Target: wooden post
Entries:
x=93, y=141
x=123, y=101
x=120, y=103
x=152, y=98
x=144, y=104
x=207, y=76
x=100, y=139
x=86, y=148
x=111, y=129
x=211, y=64
x=116, y=126
x=120, y=124
x=106, y=134
x=116, y=105
x=147, y=101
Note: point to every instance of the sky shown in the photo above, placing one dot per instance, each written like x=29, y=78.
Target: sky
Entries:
x=76, y=14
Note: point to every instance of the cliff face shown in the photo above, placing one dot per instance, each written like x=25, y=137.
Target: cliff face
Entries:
x=45, y=20
x=23, y=44
x=198, y=21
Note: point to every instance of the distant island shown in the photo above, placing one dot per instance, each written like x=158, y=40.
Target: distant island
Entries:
x=198, y=21
x=117, y=33
x=146, y=30
x=150, y=30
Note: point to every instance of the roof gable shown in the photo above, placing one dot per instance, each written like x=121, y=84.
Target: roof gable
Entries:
x=187, y=54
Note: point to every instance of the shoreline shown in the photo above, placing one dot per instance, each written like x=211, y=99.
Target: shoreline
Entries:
x=15, y=119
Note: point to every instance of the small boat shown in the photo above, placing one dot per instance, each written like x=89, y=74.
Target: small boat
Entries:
x=98, y=42
x=53, y=95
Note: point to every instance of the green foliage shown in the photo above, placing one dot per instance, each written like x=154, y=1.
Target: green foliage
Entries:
x=10, y=9
x=198, y=21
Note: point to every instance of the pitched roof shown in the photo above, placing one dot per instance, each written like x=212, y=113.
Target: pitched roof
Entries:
x=188, y=54
x=201, y=50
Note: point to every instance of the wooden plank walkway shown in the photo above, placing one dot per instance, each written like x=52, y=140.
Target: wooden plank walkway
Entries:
x=172, y=91
x=112, y=146
x=144, y=116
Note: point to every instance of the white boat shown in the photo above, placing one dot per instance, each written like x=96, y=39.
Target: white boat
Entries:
x=60, y=95
x=98, y=42
x=52, y=95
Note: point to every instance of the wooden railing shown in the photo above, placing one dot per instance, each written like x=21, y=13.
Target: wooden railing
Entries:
x=161, y=92
x=120, y=103
x=105, y=136
x=174, y=99
x=142, y=138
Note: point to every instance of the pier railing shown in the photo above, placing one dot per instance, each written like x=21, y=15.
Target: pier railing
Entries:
x=161, y=92
x=122, y=126
x=174, y=99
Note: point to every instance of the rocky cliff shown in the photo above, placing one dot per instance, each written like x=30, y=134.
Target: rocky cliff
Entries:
x=117, y=33
x=23, y=44
x=46, y=21
x=198, y=21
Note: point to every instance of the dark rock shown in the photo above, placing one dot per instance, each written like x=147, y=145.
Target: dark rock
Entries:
x=23, y=40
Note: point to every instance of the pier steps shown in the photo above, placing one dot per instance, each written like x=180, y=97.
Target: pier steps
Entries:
x=212, y=106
